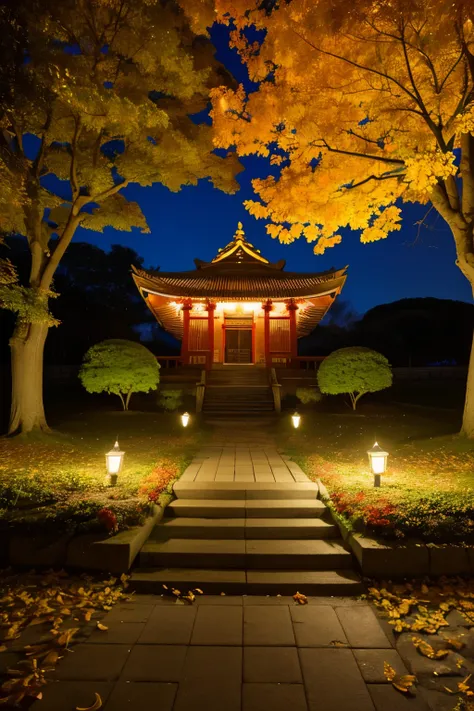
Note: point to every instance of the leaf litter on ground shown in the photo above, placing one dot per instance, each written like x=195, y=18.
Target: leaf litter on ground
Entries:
x=423, y=607
x=63, y=605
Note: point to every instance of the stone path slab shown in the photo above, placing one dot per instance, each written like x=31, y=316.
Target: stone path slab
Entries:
x=232, y=654
x=250, y=463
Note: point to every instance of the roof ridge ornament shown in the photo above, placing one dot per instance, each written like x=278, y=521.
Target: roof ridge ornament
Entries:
x=239, y=232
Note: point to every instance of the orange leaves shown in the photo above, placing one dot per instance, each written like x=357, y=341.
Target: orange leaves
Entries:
x=402, y=683
x=51, y=600
x=300, y=598
x=388, y=221
x=427, y=650
x=333, y=91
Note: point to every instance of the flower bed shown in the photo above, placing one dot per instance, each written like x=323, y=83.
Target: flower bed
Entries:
x=425, y=497
x=57, y=484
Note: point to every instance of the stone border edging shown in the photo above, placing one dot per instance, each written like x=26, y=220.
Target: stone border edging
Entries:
x=89, y=551
x=413, y=558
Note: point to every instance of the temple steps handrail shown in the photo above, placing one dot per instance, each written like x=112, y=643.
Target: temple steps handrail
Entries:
x=276, y=390
x=200, y=390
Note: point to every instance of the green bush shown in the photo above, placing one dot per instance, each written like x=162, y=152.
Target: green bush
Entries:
x=354, y=371
x=121, y=368
x=309, y=395
x=170, y=400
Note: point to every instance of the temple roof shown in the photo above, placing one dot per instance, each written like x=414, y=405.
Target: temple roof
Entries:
x=239, y=272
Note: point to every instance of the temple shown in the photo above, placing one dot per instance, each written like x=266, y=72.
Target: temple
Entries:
x=239, y=308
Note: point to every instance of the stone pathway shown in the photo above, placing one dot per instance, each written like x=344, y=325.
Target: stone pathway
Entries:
x=233, y=654
x=239, y=462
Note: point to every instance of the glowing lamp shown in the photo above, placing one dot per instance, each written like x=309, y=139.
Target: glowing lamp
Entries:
x=185, y=419
x=296, y=419
x=114, y=462
x=378, y=462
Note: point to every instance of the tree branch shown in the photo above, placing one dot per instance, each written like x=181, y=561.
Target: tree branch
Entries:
x=358, y=66
x=38, y=164
x=467, y=174
x=383, y=159
x=63, y=243
x=73, y=171
x=376, y=177
x=100, y=197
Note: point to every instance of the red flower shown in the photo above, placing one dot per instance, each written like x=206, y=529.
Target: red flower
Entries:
x=108, y=519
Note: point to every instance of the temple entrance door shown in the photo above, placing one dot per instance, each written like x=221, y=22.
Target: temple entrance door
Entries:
x=238, y=345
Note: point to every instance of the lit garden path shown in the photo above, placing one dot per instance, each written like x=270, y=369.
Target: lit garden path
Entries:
x=243, y=463
x=233, y=654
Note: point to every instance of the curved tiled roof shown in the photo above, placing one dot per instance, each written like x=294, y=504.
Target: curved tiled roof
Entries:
x=240, y=284
x=239, y=273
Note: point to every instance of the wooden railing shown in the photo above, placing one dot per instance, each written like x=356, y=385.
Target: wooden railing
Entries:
x=307, y=362
x=169, y=361
x=276, y=390
x=200, y=390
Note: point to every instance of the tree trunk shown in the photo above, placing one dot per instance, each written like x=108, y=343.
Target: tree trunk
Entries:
x=27, y=410
x=468, y=416
x=127, y=402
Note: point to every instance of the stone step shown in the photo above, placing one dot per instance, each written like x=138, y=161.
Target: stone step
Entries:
x=246, y=490
x=245, y=554
x=236, y=408
x=248, y=528
x=252, y=582
x=226, y=508
x=232, y=404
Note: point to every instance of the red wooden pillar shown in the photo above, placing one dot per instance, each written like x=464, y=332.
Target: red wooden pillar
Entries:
x=187, y=306
x=210, y=333
x=267, y=307
x=292, y=308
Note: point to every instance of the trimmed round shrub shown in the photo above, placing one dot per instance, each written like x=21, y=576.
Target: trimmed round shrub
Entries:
x=355, y=371
x=170, y=400
x=120, y=368
x=309, y=395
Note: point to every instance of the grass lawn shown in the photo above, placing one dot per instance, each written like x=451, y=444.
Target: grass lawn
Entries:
x=53, y=482
x=428, y=490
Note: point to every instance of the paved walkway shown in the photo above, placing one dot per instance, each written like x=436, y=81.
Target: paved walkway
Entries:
x=233, y=654
x=247, y=463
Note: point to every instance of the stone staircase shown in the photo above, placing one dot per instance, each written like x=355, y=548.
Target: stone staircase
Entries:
x=246, y=538
x=237, y=390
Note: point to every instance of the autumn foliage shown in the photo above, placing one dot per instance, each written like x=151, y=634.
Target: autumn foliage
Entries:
x=358, y=107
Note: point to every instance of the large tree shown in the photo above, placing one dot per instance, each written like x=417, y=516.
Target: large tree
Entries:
x=95, y=95
x=363, y=105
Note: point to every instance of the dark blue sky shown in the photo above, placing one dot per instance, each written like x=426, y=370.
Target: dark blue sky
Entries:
x=198, y=220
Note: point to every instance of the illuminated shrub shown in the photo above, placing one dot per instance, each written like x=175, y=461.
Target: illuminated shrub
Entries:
x=309, y=395
x=355, y=371
x=120, y=368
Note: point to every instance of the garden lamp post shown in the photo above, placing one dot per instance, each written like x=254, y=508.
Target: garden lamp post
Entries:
x=378, y=462
x=296, y=419
x=185, y=419
x=114, y=462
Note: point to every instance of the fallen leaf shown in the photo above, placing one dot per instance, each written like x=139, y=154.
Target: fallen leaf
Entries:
x=427, y=650
x=96, y=705
x=300, y=598
x=337, y=643
x=51, y=658
x=102, y=627
x=402, y=682
x=65, y=638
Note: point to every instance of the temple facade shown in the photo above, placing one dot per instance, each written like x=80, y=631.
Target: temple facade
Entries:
x=239, y=308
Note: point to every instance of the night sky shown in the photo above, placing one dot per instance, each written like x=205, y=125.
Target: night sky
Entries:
x=197, y=221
